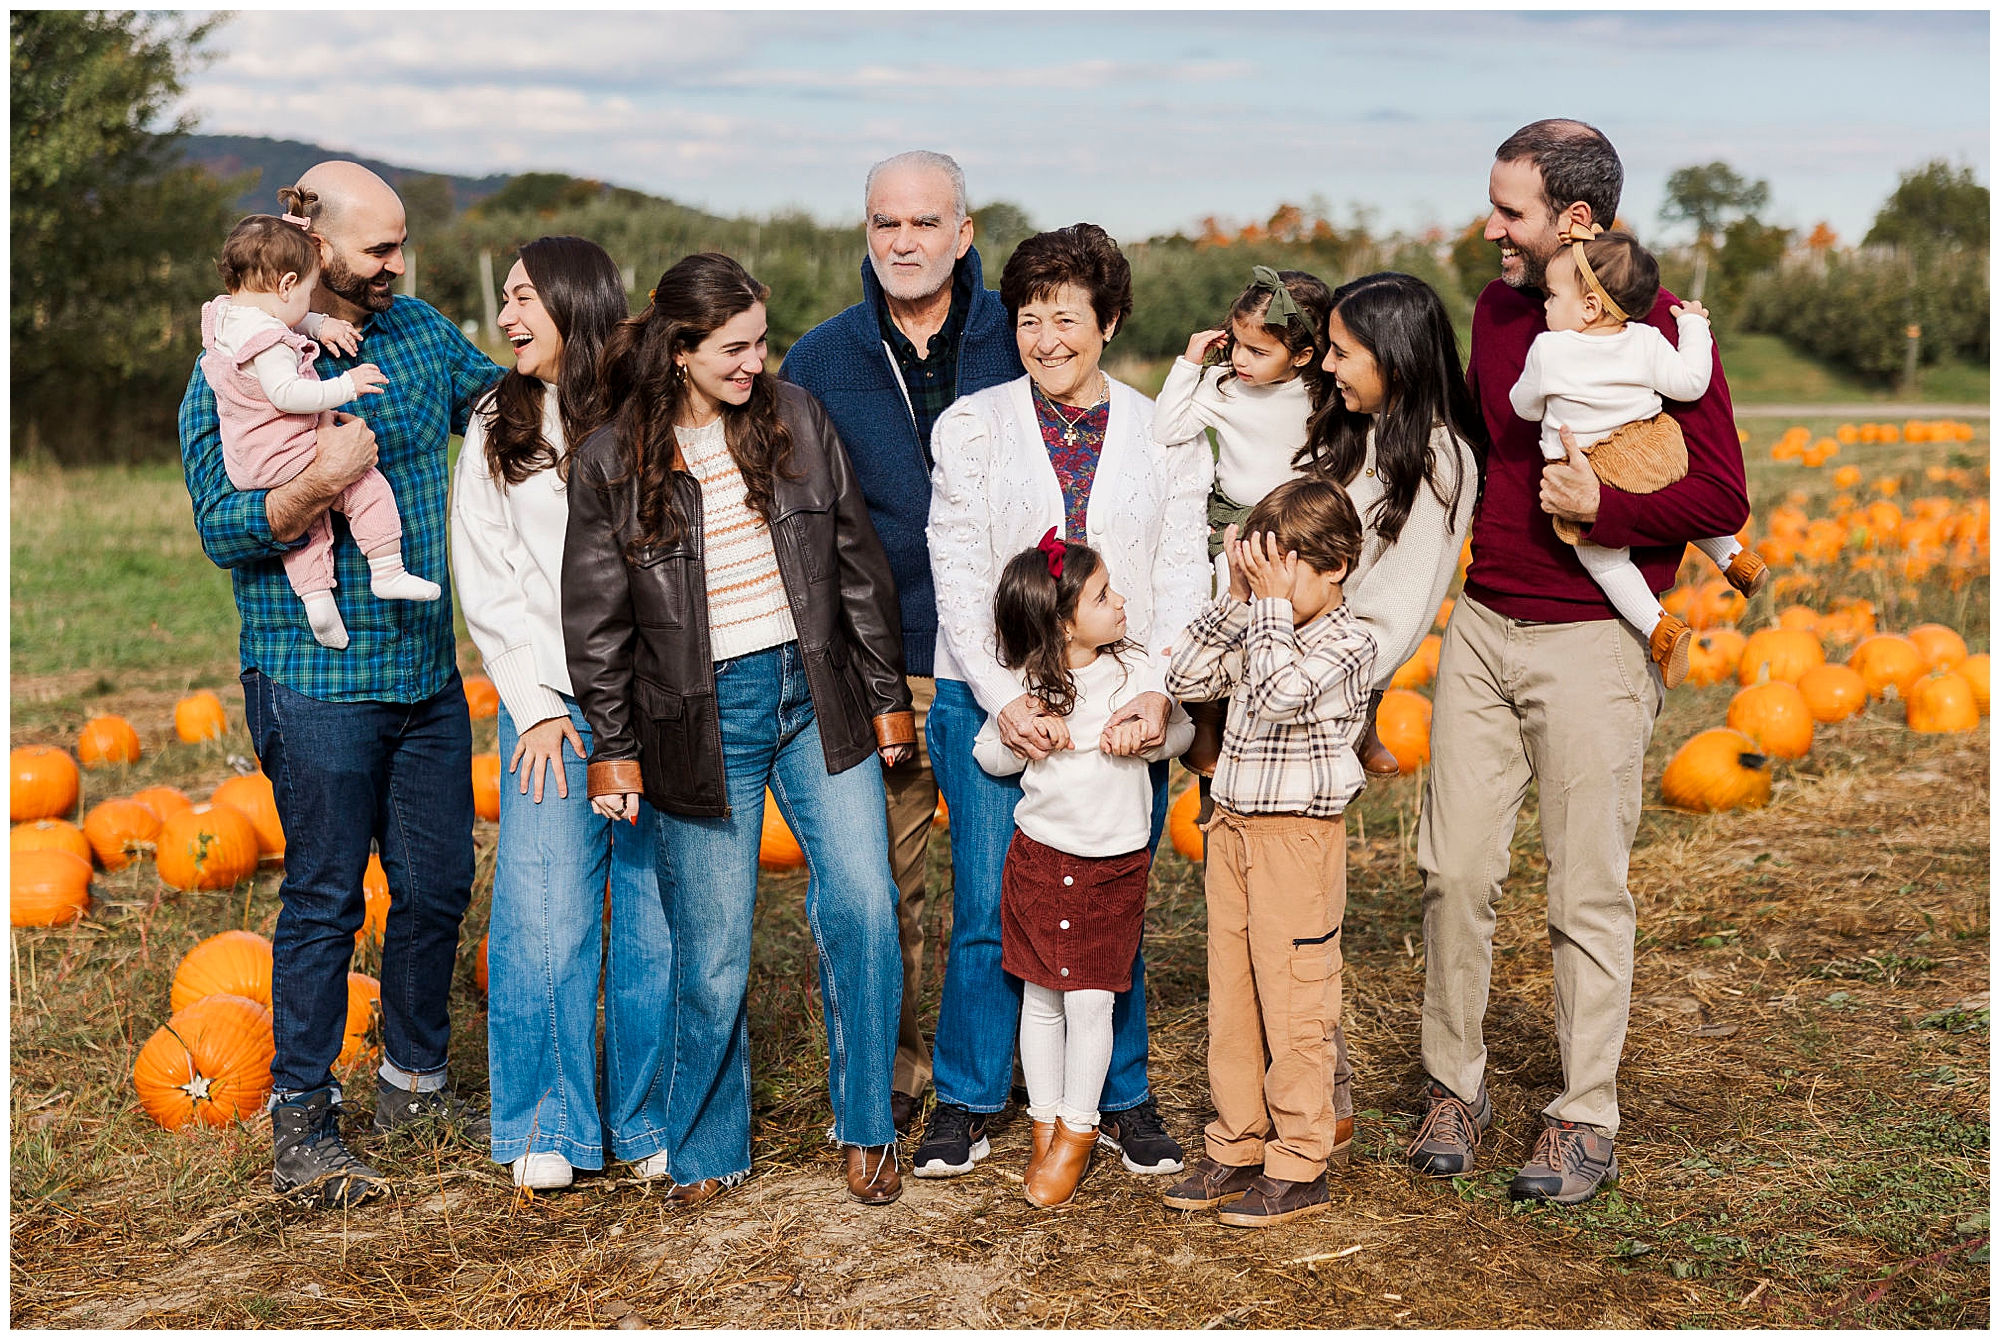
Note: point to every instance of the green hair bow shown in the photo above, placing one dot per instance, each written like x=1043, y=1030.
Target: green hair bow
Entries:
x=1283, y=308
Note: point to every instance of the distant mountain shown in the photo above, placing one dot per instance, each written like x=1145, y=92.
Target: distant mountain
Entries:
x=282, y=162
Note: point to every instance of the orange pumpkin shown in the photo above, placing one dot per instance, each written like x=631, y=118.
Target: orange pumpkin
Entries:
x=163, y=800
x=1714, y=603
x=364, y=1003
x=1422, y=666
x=234, y=963
x=210, y=1063
x=1403, y=723
x=49, y=835
x=199, y=716
x=1185, y=833
x=1974, y=669
x=1801, y=617
x=479, y=968
x=1715, y=656
x=375, y=902
x=118, y=830
x=1717, y=770
x=107, y=740
x=486, y=787
x=1888, y=663
x=255, y=797
x=777, y=849
x=1778, y=654
x=1939, y=646
x=1774, y=715
x=47, y=887
x=1833, y=692
x=941, y=816
x=206, y=847
x=482, y=700
x=1444, y=613
x=1941, y=702
x=43, y=784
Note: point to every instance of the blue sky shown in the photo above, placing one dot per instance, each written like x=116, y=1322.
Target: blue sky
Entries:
x=1142, y=120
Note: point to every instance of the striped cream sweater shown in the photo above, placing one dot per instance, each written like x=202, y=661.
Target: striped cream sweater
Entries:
x=747, y=608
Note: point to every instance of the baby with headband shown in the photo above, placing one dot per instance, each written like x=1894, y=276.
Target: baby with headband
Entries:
x=259, y=343
x=1599, y=375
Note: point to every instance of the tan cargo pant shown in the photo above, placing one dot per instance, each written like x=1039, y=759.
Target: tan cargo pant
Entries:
x=1571, y=706
x=913, y=797
x=1276, y=890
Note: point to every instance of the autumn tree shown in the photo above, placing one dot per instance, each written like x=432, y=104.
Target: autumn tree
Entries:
x=1710, y=196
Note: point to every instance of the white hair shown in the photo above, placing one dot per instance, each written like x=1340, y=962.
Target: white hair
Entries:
x=925, y=158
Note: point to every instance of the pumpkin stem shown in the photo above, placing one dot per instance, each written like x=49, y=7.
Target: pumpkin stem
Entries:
x=1754, y=762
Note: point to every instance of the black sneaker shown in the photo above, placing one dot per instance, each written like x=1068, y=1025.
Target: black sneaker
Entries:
x=309, y=1161
x=1140, y=1138
x=402, y=1110
x=954, y=1140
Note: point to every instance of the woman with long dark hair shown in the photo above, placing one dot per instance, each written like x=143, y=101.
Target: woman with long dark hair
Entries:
x=510, y=508
x=732, y=626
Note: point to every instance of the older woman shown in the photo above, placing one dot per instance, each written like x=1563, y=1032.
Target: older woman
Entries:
x=1070, y=447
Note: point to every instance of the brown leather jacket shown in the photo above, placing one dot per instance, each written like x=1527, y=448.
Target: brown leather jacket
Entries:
x=637, y=631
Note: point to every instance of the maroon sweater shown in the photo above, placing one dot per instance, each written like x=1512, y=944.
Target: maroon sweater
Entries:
x=1519, y=567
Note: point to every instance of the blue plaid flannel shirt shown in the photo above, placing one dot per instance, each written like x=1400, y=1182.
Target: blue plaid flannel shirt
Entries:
x=399, y=651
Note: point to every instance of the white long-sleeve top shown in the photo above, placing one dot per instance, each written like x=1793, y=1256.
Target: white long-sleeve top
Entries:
x=277, y=368
x=1592, y=384
x=506, y=561
x=1082, y=800
x=1258, y=429
x=994, y=493
x=1395, y=590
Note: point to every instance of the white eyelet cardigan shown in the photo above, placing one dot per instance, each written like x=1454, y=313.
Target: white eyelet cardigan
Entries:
x=994, y=493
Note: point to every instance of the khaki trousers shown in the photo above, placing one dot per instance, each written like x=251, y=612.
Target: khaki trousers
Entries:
x=1570, y=706
x=1277, y=889
x=913, y=797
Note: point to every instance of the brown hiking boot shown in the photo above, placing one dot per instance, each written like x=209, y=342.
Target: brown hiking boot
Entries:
x=1055, y=1177
x=1571, y=1163
x=1209, y=1184
x=1747, y=572
x=1669, y=646
x=1446, y=1141
x=872, y=1175
x=1272, y=1200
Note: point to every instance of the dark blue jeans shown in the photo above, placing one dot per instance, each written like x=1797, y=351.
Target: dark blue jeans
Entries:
x=399, y=774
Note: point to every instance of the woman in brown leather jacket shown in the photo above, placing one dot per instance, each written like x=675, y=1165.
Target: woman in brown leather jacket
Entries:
x=731, y=625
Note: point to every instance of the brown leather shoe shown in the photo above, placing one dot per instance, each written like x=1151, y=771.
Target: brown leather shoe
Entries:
x=694, y=1193
x=872, y=1175
x=1206, y=747
x=1669, y=647
x=1747, y=572
x=1055, y=1178
x=1272, y=1200
x=903, y=1109
x=1376, y=759
x=1209, y=1184
x=1045, y=1135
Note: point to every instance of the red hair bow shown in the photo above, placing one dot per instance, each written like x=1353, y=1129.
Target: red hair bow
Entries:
x=1054, y=550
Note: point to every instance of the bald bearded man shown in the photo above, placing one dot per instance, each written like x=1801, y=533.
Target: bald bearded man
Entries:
x=372, y=743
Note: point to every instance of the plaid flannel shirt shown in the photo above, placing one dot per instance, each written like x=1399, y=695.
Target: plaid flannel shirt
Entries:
x=931, y=382
x=399, y=650
x=1297, y=701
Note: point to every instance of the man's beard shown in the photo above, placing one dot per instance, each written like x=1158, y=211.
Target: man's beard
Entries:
x=1534, y=271
x=343, y=283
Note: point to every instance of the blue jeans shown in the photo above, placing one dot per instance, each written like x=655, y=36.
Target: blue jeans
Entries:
x=399, y=774
x=979, y=1015
x=708, y=879
x=543, y=965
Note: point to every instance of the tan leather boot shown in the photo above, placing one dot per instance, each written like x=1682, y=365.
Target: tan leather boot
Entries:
x=1671, y=642
x=1054, y=1180
x=1045, y=1134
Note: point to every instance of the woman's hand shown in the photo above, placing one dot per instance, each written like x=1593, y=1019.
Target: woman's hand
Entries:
x=541, y=745
x=895, y=755
x=1201, y=342
x=1136, y=727
x=1267, y=572
x=625, y=806
x=1029, y=731
x=1232, y=549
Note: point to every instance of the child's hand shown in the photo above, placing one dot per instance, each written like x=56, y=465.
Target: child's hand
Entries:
x=1268, y=573
x=1201, y=342
x=1232, y=550
x=1688, y=307
x=368, y=379
x=339, y=335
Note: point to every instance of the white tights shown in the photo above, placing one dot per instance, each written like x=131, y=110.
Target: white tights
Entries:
x=1621, y=581
x=1065, y=1053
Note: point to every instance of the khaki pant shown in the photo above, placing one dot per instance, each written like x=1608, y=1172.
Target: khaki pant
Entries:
x=1571, y=706
x=1277, y=889
x=913, y=798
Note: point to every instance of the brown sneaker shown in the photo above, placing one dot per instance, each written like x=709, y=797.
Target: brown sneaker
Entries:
x=1671, y=642
x=1272, y=1200
x=872, y=1175
x=1209, y=1184
x=1045, y=1135
x=1056, y=1176
x=1448, y=1138
x=1747, y=572
x=1571, y=1163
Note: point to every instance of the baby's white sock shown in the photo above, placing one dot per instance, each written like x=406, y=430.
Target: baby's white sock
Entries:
x=324, y=618
x=389, y=580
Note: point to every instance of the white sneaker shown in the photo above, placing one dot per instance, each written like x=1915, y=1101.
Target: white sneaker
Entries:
x=651, y=1168
x=543, y=1171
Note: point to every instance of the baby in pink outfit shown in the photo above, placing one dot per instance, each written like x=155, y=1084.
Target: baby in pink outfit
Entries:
x=259, y=343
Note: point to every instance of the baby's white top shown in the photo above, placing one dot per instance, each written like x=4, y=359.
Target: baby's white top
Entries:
x=1258, y=428
x=1592, y=384
x=277, y=368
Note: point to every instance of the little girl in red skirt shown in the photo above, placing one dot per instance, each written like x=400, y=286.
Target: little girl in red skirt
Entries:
x=1074, y=891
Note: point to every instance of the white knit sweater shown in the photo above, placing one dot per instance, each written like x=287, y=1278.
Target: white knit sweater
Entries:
x=1258, y=429
x=747, y=607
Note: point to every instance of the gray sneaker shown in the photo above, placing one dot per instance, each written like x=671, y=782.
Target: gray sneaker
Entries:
x=1450, y=1134
x=309, y=1160
x=404, y=1111
x=1570, y=1164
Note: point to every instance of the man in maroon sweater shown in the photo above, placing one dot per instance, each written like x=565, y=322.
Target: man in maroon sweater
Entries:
x=1539, y=680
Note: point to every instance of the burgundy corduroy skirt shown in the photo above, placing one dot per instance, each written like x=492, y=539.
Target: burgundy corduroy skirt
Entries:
x=1071, y=923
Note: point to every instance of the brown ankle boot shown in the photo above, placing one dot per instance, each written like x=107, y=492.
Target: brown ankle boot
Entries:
x=1054, y=1180
x=1206, y=747
x=1375, y=756
x=1747, y=572
x=1045, y=1134
x=1669, y=647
